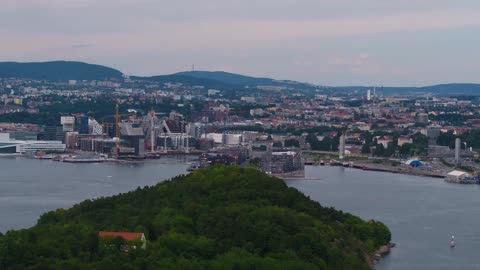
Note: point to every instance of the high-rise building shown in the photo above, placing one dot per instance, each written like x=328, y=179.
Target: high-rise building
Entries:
x=197, y=130
x=94, y=127
x=369, y=94
x=83, y=127
x=68, y=123
x=51, y=133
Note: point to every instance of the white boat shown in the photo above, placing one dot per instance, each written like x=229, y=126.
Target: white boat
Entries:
x=452, y=242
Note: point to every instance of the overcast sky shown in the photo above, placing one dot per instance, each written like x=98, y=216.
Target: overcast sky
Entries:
x=331, y=42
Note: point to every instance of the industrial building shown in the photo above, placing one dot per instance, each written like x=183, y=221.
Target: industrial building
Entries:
x=226, y=138
x=282, y=162
x=132, y=134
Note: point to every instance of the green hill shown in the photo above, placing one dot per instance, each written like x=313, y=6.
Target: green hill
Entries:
x=215, y=218
x=230, y=78
x=58, y=71
x=242, y=80
x=187, y=80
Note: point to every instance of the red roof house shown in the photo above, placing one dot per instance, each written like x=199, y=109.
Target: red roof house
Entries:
x=128, y=236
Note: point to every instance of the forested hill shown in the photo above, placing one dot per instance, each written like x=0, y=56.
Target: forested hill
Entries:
x=58, y=71
x=215, y=218
x=242, y=80
x=187, y=80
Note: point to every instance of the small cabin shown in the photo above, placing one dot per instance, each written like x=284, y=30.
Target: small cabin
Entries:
x=134, y=240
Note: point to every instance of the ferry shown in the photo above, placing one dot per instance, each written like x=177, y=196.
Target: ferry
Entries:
x=85, y=159
x=42, y=156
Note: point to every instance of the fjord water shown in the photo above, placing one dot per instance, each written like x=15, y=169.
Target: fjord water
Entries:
x=30, y=187
x=422, y=213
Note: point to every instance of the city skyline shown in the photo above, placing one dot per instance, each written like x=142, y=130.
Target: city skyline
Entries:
x=399, y=43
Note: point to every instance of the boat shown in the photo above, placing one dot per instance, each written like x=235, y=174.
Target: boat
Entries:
x=452, y=242
x=83, y=160
x=193, y=167
x=44, y=157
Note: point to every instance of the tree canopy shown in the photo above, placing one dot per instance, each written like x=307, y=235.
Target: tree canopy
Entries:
x=215, y=218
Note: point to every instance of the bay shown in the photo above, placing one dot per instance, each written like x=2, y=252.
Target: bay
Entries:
x=421, y=212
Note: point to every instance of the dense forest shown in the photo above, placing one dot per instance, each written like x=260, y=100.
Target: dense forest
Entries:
x=58, y=71
x=214, y=218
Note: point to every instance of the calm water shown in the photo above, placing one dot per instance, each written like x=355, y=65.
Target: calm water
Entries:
x=422, y=213
x=30, y=187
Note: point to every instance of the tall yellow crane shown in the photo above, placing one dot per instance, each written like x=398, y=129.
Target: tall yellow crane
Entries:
x=117, y=132
x=118, y=119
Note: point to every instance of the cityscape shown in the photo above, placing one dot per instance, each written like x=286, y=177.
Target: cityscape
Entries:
x=274, y=128
x=239, y=135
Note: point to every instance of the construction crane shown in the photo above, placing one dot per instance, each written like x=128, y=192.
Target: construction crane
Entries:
x=117, y=132
x=118, y=118
x=152, y=129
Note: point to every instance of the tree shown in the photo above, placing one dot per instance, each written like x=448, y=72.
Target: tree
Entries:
x=277, y=144
x=379, y=150
x=447, y=139
x=215, y=218
x=366, y=148
x=406, y=149
x=292, y=143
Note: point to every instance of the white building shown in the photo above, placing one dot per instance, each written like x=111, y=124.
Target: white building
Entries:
x=94, y=127
x=232, y=139
x=248, y=99
x=68, y=123
x=216, y=137
x=457, y=176
x=8, y=146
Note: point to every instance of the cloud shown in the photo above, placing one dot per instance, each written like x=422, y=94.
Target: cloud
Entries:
x=299, y=39
x=177, y=36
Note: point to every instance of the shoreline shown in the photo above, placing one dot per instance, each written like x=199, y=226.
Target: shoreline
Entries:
x=396, y=170
x=297, y=175
x=381, y=252
x=388, y=169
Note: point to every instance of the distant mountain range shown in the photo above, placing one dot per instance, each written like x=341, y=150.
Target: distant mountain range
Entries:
x=440, y=89
x=68, y=70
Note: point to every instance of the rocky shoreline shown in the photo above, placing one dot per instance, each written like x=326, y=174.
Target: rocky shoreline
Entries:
x=380, y=253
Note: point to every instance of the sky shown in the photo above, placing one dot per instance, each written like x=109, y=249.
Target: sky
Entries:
x=327, y=42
